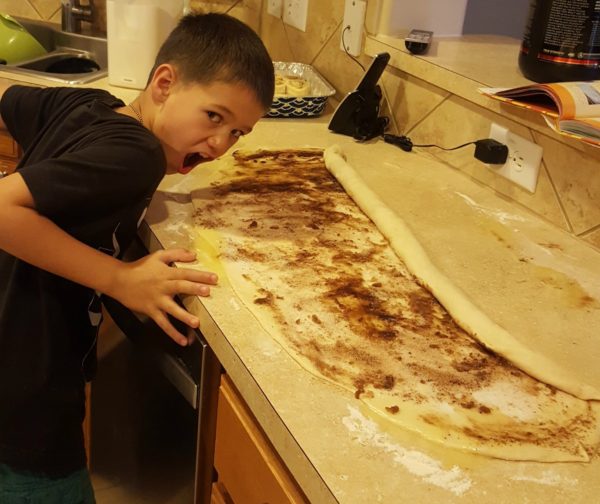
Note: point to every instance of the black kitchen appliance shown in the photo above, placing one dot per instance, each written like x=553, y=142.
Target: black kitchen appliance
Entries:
x=357, y=115
x=194, y=371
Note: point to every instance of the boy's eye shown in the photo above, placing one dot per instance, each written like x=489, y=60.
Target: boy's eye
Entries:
x=237, y=133
x=214, y=117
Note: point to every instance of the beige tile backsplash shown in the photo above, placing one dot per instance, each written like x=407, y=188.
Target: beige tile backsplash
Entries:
x=48, y=10
x=568, y=192
x=22, y=8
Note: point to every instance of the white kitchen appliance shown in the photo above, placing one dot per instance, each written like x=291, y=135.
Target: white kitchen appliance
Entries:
x=135, y=31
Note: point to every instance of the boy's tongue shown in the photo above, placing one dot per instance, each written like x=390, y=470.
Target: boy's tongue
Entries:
x=184, y=170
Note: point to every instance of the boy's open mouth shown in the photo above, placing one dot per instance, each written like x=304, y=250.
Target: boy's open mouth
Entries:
x=191, y=160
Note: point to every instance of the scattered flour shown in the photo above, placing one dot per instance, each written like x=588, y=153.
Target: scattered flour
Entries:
x=234, y=304
x=503, y=217
x=177, y=227
x=366, y=432
x=183, y=186
x=268, y=348
x=509, y=400
x=546, y=477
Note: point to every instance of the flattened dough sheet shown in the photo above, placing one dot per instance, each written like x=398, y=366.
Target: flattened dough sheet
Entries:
x=323, y=281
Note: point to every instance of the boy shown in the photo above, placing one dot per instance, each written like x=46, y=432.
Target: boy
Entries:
x=89, y=169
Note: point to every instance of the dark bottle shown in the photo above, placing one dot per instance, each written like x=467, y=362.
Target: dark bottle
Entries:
x=561, y=41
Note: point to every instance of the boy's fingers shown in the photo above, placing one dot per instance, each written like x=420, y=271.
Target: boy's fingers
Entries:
x=176, y=255
x=205, y=277
x=163, y=322
x=180, y=313
x=191, y=288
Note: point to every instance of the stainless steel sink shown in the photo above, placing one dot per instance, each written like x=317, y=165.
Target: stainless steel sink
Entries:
x=72, y=58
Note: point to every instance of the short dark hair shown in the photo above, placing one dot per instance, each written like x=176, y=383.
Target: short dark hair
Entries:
x=214, y=47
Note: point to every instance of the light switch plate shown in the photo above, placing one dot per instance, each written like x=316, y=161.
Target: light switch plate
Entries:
x=524, y=158
x=352, y=27
x=295, y=13
x=275, y=7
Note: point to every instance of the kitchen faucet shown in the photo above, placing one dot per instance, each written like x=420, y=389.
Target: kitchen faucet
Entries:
x=73, y=13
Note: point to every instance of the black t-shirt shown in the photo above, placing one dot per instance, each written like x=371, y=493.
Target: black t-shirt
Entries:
x=92, y=172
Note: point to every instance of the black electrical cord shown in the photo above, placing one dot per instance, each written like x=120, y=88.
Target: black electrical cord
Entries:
x=487, y=150
x=407, y=145
x=346, y=50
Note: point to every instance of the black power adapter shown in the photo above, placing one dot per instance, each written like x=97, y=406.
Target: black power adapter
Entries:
x=491, y=151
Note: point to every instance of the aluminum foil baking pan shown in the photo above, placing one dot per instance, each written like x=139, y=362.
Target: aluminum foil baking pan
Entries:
x=301, y=106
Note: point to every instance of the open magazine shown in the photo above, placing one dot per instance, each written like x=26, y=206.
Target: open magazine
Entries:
x=570, y=108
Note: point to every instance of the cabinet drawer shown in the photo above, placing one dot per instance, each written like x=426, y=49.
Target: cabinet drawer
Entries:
x=248, y=466
x=8, y=147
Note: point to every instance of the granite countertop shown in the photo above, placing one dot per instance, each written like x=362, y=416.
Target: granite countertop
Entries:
x=335, y=448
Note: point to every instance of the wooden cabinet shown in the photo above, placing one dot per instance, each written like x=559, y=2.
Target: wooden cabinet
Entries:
x=219, y=495
x=9, y=153
x=249, y=470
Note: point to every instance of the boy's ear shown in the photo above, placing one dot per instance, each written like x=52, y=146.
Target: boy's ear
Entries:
x=163, y=81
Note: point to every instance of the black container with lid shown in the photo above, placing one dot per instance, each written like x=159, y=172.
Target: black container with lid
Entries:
x=561, y=41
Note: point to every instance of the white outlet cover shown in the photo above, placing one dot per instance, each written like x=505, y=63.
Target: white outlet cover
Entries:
x=354, y=17
x=295, y=13
x=524, y=157
x=275, y=7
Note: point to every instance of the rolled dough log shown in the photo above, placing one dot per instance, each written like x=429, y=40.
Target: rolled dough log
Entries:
x=463, y=310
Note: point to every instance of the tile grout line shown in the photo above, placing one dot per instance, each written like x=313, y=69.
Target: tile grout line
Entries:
x=390, y=108
x=563, y=210
x=588, y=232
x=325, y=43
x=232, y=6
x=287, y=38
x=420, y=121
x=32, y=5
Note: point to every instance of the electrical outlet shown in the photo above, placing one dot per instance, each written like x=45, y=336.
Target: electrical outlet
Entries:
x=295, y=12
x=275, y=7
x=524, y=158
x=352, y=27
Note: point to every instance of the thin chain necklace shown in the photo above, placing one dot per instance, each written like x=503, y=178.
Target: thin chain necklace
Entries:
x=138, y=114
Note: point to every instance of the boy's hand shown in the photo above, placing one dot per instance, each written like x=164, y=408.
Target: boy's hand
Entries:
x=149, y=284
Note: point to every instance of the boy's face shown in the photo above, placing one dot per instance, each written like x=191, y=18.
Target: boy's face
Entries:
x=196, y=123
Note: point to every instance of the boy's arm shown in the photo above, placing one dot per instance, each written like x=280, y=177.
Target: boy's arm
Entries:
x=147, y=285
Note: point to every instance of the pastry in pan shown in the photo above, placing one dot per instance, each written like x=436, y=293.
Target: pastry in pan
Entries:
x=297, y=86
x=291, y=85
x=280, y=86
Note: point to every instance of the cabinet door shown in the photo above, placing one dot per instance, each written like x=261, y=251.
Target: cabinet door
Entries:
x=247, y=465
x=9, y=153
x=7, y=166
x=219, y=495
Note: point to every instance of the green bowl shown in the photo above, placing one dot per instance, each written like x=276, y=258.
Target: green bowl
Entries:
x=16, y=43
